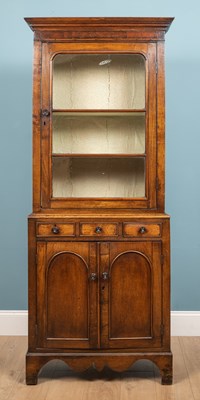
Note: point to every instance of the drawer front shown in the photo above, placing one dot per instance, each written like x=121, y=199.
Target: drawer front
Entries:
x=98, y=229
x=61, y=229
x=141, y=230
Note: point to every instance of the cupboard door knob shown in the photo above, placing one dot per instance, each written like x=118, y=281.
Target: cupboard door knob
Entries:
x=93, y=276
x=55, y=230
x=98, y=229
x=142, y=229
x=45, y=113
x=105, y=276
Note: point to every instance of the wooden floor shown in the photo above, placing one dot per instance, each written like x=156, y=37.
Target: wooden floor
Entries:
x=57, y=382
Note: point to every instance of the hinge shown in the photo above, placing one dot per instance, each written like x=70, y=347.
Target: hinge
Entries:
x=162, y=259
x=36, y=259
x=162, y=329
x=157, y=184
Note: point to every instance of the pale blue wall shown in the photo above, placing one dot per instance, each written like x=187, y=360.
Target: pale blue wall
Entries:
x=183, y=136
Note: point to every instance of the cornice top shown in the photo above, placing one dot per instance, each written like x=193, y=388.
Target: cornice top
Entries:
x=61, y=23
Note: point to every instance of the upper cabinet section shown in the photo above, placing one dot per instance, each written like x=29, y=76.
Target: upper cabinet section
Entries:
x=98, y=108
x=102, y=81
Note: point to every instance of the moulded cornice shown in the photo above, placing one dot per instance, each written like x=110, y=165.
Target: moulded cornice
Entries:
x=146, y=29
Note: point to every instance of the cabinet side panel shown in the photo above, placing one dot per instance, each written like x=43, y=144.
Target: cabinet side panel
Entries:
x=45, y=129
x=32, y=288
x=160, y=127
x=166, y=284
x=151, y=123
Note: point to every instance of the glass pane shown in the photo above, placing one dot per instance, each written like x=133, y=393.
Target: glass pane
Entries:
x=98, y=177
x=87, y=81
x=89, y=133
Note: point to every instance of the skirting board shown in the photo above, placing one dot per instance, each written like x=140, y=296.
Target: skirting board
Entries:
x=183, y=323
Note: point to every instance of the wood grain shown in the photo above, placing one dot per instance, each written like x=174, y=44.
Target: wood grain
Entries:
x=11, y=362
x=191, y=355
x=181, y=389
x=92, y=29
x=147, y=230
x=56, y=380
x=91, y=229
x=62, y=229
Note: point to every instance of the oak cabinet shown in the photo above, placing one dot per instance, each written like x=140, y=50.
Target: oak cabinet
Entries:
x=99, y=254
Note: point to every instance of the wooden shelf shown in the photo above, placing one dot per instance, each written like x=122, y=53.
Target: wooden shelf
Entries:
x=95, y=155
x=104, y=113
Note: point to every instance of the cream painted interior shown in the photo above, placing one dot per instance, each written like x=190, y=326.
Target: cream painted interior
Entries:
x=99, y=81
x=98, y=177
x=99, y=134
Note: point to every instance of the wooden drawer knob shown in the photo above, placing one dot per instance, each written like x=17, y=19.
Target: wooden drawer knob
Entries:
x=142, y=229
x=55, y=230
x=98, y=229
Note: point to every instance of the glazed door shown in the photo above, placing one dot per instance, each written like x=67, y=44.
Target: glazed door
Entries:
x=67, y=306
x=98, y=125
x=131, y=292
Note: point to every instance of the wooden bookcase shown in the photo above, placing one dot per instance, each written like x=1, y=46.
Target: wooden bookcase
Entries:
x=99, y=241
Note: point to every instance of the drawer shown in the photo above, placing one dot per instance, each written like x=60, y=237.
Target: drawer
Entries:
x=141, y=230
x=99, y=229
x=61, y=229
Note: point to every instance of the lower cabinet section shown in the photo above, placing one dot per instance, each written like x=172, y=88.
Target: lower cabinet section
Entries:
x=99, y=295
x=99, y=299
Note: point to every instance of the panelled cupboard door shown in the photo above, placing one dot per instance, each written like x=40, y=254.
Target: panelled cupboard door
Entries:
x=131, y=292
x=67, y=295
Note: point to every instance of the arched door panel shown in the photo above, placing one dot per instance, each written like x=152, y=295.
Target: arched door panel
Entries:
x=131, y=296
x=67, y=297
x=67, y=301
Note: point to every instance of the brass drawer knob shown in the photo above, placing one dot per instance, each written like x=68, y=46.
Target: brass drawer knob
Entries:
x=98, y=229
x=93, y=276
x=55, y=230
x=142, y=229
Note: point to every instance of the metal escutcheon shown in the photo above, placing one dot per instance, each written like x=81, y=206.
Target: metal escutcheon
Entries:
x=93, y=276
x=104, y=276
x=45, y=113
